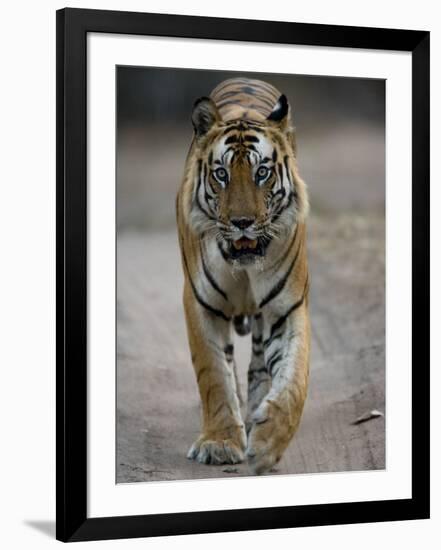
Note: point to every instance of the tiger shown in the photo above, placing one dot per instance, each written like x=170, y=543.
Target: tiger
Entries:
x=241, y=216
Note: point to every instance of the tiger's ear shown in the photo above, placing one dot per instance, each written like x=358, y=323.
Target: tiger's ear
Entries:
x=205, y=115
x=280, y=112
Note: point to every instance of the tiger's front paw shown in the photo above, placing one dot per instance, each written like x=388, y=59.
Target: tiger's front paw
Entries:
x=270, y=432
x=209, y=449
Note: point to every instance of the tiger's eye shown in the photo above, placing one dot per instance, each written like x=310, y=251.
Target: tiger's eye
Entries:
x=221, y=175
x=262, y=173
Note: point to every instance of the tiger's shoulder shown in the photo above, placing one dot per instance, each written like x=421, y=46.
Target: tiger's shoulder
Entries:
x=245, y=98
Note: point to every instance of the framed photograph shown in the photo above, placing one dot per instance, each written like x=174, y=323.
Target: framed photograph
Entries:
x=242, y=274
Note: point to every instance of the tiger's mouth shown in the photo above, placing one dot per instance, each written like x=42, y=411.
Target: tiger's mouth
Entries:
x=245, y=243
x=246, y=248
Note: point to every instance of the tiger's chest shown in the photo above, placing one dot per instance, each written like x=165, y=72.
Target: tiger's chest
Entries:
x=237, y=289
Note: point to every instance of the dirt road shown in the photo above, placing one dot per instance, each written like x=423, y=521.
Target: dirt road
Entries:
x=157, y=399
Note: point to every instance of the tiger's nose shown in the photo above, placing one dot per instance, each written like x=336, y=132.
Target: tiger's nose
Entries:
x=242, y=223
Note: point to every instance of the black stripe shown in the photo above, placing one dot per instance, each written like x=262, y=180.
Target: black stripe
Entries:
x=285, y=162
x=277, y=289
x=220, y=97
x=231, y=139
x=209, y=198
x=198, y=297
x=261, y=381
x=249, y=90
x=274, y=374
x=290, y=199
x=256, y=371
x=199, y=205
x=238, y=125
x=198, y=202
x=211, y=278
x=225, y=256
x=288, y=174
x=249, y=137
x=281, y=207
x=254, y=124
x=269, y=89
x=232, y=84
x=281, y=260
x=269, y=100
x=280, y=170
x=280, y=192
x=281, y=320
x=253, y=372
x=275, y=357
x=265, y=101
x=212, y=190
x=229, y=129
x=255, y=128
x=256, y=107
x=227, y=102
x=261, y=85
x=271, y=339
x=227, y=150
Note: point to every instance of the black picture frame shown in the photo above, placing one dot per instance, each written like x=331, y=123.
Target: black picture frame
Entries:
x=72, y=523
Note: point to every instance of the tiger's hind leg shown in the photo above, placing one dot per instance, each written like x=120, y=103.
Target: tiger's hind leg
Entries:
x=259, y=381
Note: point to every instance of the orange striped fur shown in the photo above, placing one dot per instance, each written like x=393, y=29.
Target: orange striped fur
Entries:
x=241, y=213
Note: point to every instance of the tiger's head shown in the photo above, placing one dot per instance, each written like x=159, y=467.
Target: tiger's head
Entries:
x=247, y=191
